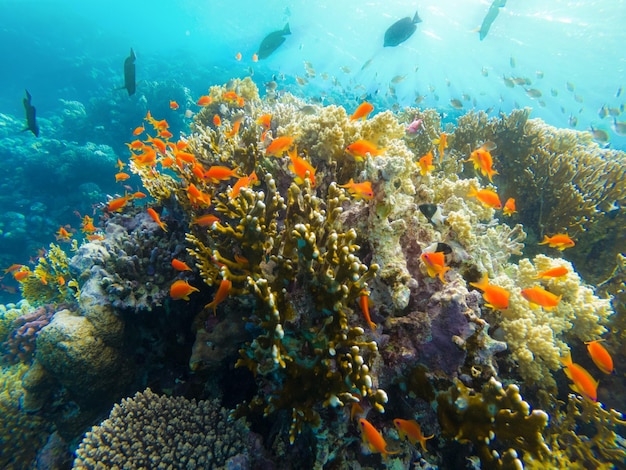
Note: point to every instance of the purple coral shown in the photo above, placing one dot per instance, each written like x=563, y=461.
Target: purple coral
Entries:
x=20, y=345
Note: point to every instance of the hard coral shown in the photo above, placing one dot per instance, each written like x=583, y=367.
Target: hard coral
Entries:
x=152, y=431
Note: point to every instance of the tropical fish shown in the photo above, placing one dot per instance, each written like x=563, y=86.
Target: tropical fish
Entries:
x=174, y=105
x=509, y=207
x=374, y=440
x=205, y=220
x=63, y=235
x=538, y=296
x=129, y=73
x=180, y=290
x=600, y=135
x=155, y=216
x=435, y=264
x=362, y=111
x=279, y=145
x=619, y=127
x=220, y=295
x=433, y=213
x=442, y=143
x=204, y=100
x=456, y=103
x=218, y=173
x=600, y=356
x=234, y=130
x=272, y=41
x=415, y=126
x=255, y=57
x=584, y=383
x=559, y=241
x=359, y=190
x=483, y=161
x=411, y=430
x=361, y=148
x=487, y=198
x=196, y=196
x=491, y=16
x=238, y=56
x=401, y=30
x=301, y=167
x=117, y=204
x=496, y=297
x=426, y=164
x=139, y=130
x=121, y=176
x=558, y=271
x=243, y=182
x=179, y=265
x=364, y=303
x=31, y=116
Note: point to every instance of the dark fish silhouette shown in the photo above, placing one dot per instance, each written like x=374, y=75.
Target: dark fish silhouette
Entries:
x=31, y=119
x=271, y=42
x=401, y=30
x=129, y=73
x=494, y=9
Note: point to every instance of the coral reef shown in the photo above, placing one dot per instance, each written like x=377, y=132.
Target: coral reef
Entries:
x=20, y=344
x=152, y=431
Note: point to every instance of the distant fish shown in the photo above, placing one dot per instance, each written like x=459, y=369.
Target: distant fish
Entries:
x=129, y=73
x=272, y=41
x=401, y=30
x=492, y=14
x=31, y=120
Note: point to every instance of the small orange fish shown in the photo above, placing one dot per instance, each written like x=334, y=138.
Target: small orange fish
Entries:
x=138, y=195
x=238, y=56
x=442, y=143
x=120, y=164
x=243, y=182
x=558, y=271
x=600, y=356
x=180, y=290
x=541, y=297
x=483, y=161
x=165, y=134
x=121, y=176
x=255, y=57
x=196, y=196
x=174, y=105
x=584, y=383
x=265, y=121
x=426, y=164
x=559, y=241
x=359, y=190
x=279, y=146
x=235, y=129
x=204, y=100
x=301, y=167
x=435, y=264
x=63, y=235
x=220, y=295
x=155, y=216
x=364, y=303
x=135, y=145
x=160, y=125
x=179, y=265
x=496, y=297
x=487, y=198
x=138, y=130
x=218, y=173
x=205, y=220
x=374, y=440
x=13, y=268
x=22, y=274
x=411, y=430
x=94, y=236
x=362, y=148
x=230, y=96
x=217, y=120
x=87, y=225
x=117, y=204
x=362, y=111
x=509, y=207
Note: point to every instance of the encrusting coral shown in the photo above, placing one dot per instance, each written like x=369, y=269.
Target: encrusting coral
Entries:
x=152, y=431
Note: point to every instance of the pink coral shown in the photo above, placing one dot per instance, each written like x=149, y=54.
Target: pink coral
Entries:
x=20, y=345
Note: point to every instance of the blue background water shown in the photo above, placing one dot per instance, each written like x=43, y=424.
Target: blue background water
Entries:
x=74, y=51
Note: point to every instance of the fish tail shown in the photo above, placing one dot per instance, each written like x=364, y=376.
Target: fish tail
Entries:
x=545, y=241
x=286, y=29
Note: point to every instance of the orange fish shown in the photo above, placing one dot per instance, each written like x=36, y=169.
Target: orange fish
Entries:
x=13, y=268
x=278, y=146
x=426, y=164
x=181, y=290
x=359, y=190
x=165, y=134
x=217, y=120
x=238, y=56
x=442, y=143
x=158, y=144
x=134, y=145
x=234, y=130
x=374, y=440
x=301, y=167
x=179, y=265
x=435, y=264
x=364, y=303
x=509, y=207
x=559, y=241
x=174, y=105
x=87, y=225
x=196, y=196
x=121, y=176
x=138, y=130
x=155, y=216
x=22, y=274
x=138, y=195
x=496, y=297
x=117, y=204
x=584, y=383
x=205, y=220
x=265, y=121
x=63, y=235
x=94, y=236
x=218, y=173
x=362, y=111
x=600, y=356
x=220, y=295
x=411, y=430
x=541, y=297
x=120, y=164
x=558, y=271
x=483, y=161
x=230, y=96
x=255, y=57
x=204, y=100
x=487, y=197
x=362, y=148
x=243, y=182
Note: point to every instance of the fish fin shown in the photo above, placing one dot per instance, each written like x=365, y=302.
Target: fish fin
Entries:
x=416, y=18
x=286, y=29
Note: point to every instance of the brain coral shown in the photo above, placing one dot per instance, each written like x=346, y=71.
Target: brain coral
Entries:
x=152, y=431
